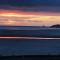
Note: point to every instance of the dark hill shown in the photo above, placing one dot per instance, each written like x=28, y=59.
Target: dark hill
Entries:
x=55, y=26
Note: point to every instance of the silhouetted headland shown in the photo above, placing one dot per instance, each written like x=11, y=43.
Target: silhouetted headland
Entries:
x=55, y=26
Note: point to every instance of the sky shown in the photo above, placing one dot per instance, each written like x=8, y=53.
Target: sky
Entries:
x=29, y=12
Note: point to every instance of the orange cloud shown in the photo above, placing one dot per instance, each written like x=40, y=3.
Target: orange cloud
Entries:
x=28, y=13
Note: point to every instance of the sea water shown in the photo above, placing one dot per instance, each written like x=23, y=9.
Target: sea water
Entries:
x=23, y=46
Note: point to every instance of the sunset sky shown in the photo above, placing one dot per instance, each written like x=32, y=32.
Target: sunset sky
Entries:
x=36, y=13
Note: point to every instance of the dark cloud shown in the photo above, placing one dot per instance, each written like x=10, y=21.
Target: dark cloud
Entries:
x=42, y=9
x=32, y=9
x=31, y=5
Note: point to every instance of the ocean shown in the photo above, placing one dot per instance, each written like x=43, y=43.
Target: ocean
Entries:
x=35, y=41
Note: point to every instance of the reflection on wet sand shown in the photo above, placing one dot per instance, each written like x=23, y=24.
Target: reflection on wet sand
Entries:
x=27, y=38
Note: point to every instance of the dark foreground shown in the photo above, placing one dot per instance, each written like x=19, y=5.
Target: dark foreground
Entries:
x=31, y=57
x=9, y=47
x=29, y=49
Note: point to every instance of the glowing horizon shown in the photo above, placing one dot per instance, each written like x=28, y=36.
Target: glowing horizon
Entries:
x=20, y=18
